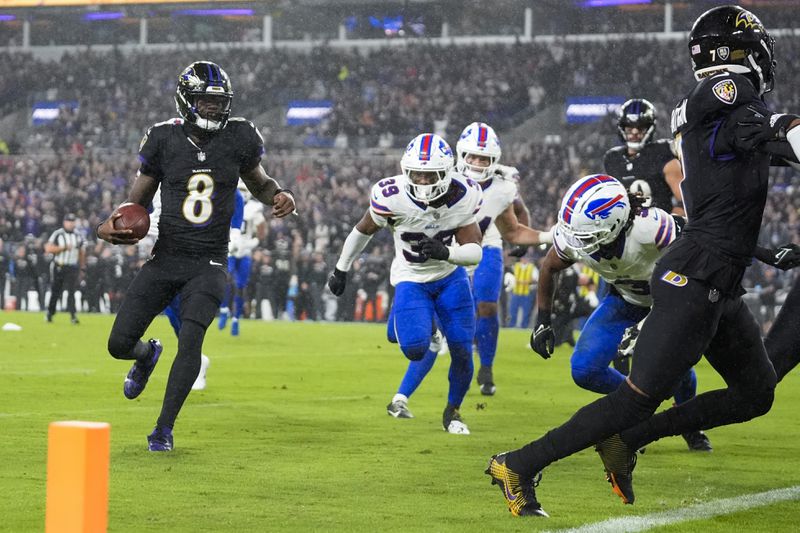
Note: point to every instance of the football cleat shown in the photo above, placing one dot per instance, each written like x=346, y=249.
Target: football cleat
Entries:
x=200, y=382
x=698, y=441
x=74, y=320
x=452, y=423
x=160, y=440
x=399, y=409
x=223, y=318
x=139, y=373
x=235, y=327
x=48, y=317
x=619, y=462
x=486, y=381
x=520, y=494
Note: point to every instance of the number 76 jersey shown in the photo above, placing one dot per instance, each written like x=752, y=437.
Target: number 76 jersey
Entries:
x=198, y=183
x=410, y=221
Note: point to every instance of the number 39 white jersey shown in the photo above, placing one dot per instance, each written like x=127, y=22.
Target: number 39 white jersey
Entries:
x=632, y=265
x=410, y=221
x=498, y=193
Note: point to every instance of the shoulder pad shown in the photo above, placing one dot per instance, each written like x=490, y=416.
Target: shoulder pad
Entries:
x=564, y=252
x=383, y=197
x=725, y=90
x=508, y=173
x=654, y=226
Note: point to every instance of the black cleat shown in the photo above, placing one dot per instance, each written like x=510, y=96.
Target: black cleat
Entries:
x=619, y=462
x=452, y=422
x=74, y=320
x=697, y=441
x=486, y=381
x=520, y=495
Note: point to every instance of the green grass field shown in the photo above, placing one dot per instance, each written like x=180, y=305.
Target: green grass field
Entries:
x=292, y=435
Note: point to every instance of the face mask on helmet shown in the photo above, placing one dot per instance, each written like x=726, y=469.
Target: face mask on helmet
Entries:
x=203, y=95
x=426, y=165
x=730, y=38
x=481, y=142
x=640, y=114
x=593, y=213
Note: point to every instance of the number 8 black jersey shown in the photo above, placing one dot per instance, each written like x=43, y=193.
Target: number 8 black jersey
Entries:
x=198, y=183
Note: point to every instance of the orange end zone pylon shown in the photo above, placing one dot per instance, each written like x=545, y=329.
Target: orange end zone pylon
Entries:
x=77, y=477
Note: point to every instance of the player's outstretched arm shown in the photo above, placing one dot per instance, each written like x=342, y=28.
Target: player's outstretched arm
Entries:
x=267, y=191
x=512, y=231
x=142, y=192
x=784, y=257
x=354, y=244
x=542, y=337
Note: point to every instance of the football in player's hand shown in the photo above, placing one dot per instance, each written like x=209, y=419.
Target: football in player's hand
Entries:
x=134, y=217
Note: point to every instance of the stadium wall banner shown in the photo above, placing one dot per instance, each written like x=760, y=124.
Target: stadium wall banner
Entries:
x=46, y=112
x=582, y=109
x=304, y=112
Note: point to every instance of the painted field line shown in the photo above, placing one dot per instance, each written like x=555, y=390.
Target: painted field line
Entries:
x=687, y=514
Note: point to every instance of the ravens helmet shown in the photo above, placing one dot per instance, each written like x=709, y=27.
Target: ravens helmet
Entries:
x=732, y=39
x=637, y=113
x=204, y=79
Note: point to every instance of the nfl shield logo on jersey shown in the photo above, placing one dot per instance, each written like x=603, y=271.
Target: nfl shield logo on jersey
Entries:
x=725, y=91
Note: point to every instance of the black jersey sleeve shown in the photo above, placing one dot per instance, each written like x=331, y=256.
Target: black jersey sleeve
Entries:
x=607, y=158
x=251, y=147
x=150, y=154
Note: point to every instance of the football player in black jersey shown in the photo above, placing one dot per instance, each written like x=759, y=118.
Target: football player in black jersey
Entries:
x=197, y=160
x=726, y=138
x=643, y=164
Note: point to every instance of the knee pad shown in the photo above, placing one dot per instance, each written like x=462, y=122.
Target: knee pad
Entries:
x=460, y=350
x=585, y=377
x=415, y=352
x=753, y=403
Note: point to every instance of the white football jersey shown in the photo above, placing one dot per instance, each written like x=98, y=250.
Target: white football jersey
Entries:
x=639, y=249
x=498, y=193
x=253, y=217
x=391, y=206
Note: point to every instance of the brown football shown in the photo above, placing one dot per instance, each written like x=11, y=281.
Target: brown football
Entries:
x=134, y=217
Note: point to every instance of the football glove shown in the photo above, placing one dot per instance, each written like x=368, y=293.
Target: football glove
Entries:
x=434, y=249
x=784, y=257
x=337, y=281
x=543, y=338
x=758, y=128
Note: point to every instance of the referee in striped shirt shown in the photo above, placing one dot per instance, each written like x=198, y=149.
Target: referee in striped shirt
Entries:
x=69, y=258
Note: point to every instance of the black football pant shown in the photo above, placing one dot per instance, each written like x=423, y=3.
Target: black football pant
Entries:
x=683, y=324
x=201, y=286
x=65, y=278
x=783, y=340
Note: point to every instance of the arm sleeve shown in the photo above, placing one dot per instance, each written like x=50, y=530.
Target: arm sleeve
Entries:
x=465, y=254
x=354, y=244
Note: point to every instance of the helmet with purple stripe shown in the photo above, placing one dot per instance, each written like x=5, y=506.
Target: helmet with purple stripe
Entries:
x=593, y=213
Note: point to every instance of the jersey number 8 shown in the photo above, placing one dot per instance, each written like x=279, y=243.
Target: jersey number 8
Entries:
x=197, y=206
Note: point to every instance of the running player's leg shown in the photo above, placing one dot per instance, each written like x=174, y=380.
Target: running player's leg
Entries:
x=738, y=354
x=598, y=341
x=200, y=299
x=241, y=275
x=456, y=312
x=783, y=340
x=487, y=282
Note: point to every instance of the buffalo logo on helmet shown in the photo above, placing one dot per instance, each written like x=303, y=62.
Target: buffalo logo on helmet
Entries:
x=602, y=207
x=725, y=91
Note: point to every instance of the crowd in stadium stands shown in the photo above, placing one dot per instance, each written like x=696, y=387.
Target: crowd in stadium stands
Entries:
x=84, y=161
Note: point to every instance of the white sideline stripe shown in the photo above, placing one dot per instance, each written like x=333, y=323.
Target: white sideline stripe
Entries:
x=687, y=514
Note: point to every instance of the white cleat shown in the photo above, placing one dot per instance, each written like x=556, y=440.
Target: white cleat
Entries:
x=457, y=427
x=200, y=382
x=437, y=339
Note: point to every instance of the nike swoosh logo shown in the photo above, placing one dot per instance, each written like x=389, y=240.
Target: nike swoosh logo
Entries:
x=215, y=263
x=509, y=496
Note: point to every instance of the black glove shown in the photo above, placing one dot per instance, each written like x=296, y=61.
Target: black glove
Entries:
x=542, y=338
x=518, y=251
x=434, y=249
x=784, y=257
x=758, y=128
x=337, y=281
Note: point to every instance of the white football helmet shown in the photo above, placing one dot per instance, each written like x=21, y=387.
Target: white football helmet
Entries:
x=431, y=154
x=593, y=213
x=478, y=139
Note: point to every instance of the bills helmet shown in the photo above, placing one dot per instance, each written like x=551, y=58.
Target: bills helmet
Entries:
x=595, y=210
x=478, y=139
x=432, y=155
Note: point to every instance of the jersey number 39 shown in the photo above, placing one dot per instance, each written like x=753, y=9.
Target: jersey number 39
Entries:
x=197, y=206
